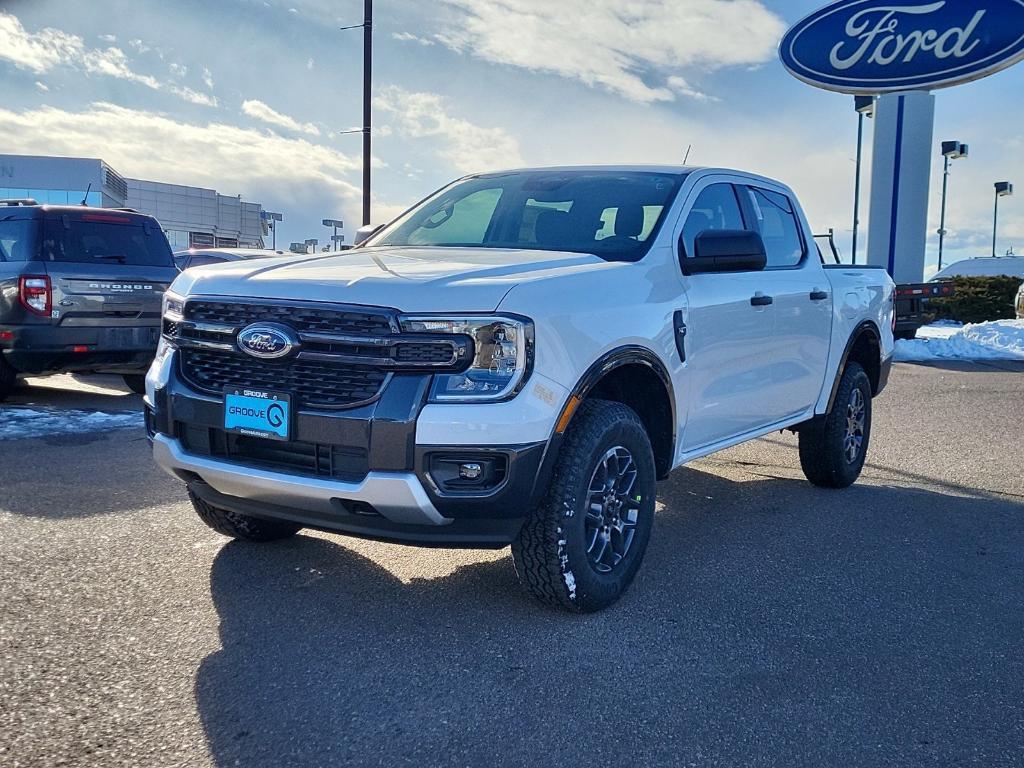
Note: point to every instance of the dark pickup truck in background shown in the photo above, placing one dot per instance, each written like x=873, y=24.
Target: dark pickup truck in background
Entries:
x=80, y=291
x=911, y=298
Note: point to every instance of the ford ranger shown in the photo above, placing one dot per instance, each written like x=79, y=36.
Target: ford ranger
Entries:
x=518, y=360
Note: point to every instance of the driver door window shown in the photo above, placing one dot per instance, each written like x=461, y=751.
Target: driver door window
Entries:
x=715, y=208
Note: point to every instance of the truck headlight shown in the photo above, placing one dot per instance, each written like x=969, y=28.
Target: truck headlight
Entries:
x=171, y=315
x=173, y=307
x=502, y=356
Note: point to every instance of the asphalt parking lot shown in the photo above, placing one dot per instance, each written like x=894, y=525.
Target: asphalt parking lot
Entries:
x=773, y=623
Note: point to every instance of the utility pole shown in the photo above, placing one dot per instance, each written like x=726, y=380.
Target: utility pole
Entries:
x=951, y=150
x=1003, y=189
x=865, y=106
x=366, y=130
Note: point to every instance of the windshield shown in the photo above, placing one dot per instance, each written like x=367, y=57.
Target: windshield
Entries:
x=96, y=240
x=612, y=214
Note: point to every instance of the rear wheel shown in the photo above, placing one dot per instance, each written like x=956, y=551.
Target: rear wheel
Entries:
x=583, y=545
x=833, y=449
x=8, y=379
x=239, y=526
x=136, y=382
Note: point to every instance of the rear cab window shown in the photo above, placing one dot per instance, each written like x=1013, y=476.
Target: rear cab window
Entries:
x=98, y=238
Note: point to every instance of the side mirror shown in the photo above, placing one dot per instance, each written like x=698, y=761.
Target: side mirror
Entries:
x=365, y=233
x=726, y=250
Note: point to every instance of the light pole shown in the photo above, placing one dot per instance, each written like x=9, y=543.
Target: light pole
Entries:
x=951, y=150
x=336, y=224
x=1003, y=189
x=865, y=106
x=367, y=27
x=272, y=219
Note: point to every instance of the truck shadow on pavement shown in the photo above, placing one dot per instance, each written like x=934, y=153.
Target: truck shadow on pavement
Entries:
x=772, y=624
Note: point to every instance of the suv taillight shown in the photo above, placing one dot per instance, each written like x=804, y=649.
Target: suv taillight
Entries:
x=35, y=294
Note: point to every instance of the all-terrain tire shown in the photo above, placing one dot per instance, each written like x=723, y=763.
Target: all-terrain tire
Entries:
x=833, y=448
x=239, y=526
x=8, y=379
x=551, y=553
x=136, y=382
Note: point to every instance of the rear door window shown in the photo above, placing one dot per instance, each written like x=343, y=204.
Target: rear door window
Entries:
x=777, y=223
x=102, y=240
x=19, y=240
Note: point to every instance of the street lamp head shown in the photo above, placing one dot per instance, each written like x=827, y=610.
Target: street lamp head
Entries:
x=333, y=223
x=865, y=105
x=1004, y=189
x=954, y=150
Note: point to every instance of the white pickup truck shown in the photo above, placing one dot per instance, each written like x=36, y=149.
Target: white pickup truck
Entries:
x=516, y=361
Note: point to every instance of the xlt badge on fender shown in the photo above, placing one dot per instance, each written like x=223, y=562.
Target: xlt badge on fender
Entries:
x=267, y=341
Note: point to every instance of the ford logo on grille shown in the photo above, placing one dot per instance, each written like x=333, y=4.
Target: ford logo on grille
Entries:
x=267, y=341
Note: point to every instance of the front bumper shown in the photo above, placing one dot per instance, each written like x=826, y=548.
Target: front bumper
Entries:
x=41, y=349
x=362, y=472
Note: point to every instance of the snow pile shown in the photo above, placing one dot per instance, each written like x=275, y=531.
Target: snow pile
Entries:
x=998, y=340
x=16, y=422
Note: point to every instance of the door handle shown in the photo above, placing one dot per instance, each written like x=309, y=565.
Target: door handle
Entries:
x=680, y=334
x=759, y=300
x=819, y=295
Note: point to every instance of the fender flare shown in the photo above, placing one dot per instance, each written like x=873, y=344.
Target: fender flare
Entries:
x=630, y=354
x=867, y=327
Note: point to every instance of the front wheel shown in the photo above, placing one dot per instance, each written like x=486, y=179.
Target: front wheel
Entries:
x=136, y=382
x=584, y=543
x=239, y=526
x=8, y=379
x=833, y=449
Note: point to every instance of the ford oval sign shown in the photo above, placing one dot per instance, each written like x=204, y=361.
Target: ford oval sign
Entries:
x=267, y=341
x=874, y=46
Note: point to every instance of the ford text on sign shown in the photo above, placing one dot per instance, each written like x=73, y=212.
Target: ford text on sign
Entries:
x=872, y=46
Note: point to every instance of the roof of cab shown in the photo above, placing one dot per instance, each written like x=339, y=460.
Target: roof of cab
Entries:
x=39, y=210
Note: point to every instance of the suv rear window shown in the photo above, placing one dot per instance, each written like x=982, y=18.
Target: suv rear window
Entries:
x=109, y=241
x=19, y=240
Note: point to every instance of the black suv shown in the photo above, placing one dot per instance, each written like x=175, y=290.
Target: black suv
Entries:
x=80, y=291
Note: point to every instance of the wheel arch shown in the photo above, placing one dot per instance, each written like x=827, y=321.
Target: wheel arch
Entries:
x=865, y=347
x=649, y=393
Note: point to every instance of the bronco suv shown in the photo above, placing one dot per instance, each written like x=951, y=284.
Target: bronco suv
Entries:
x=517, y=360
x=80, y=291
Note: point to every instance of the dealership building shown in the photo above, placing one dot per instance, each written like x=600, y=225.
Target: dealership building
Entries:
x=191, y=216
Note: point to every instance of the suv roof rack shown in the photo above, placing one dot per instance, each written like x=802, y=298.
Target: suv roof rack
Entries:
x=126, y=210
x=19, y=201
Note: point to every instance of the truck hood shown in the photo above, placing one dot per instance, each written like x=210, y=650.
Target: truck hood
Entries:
x=409, y=279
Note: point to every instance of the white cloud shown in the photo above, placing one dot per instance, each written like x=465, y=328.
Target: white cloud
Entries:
x=148, y=145
x=626, y=48
x=258, y=110
x=309, y=64
x=43, y=87
x=466, y=146
x=178, y=70
x=408, y=37
x=196, y=97
x=113, y=63
x=42, y=51
x=108, y=38
x=39, y=52
x=208, y=78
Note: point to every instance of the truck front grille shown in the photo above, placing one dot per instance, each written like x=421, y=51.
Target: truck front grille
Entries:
x=343, y=358
x=314, y=383
x=303, y=318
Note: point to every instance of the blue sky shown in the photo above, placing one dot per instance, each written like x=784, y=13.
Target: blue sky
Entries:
x=250, y=97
